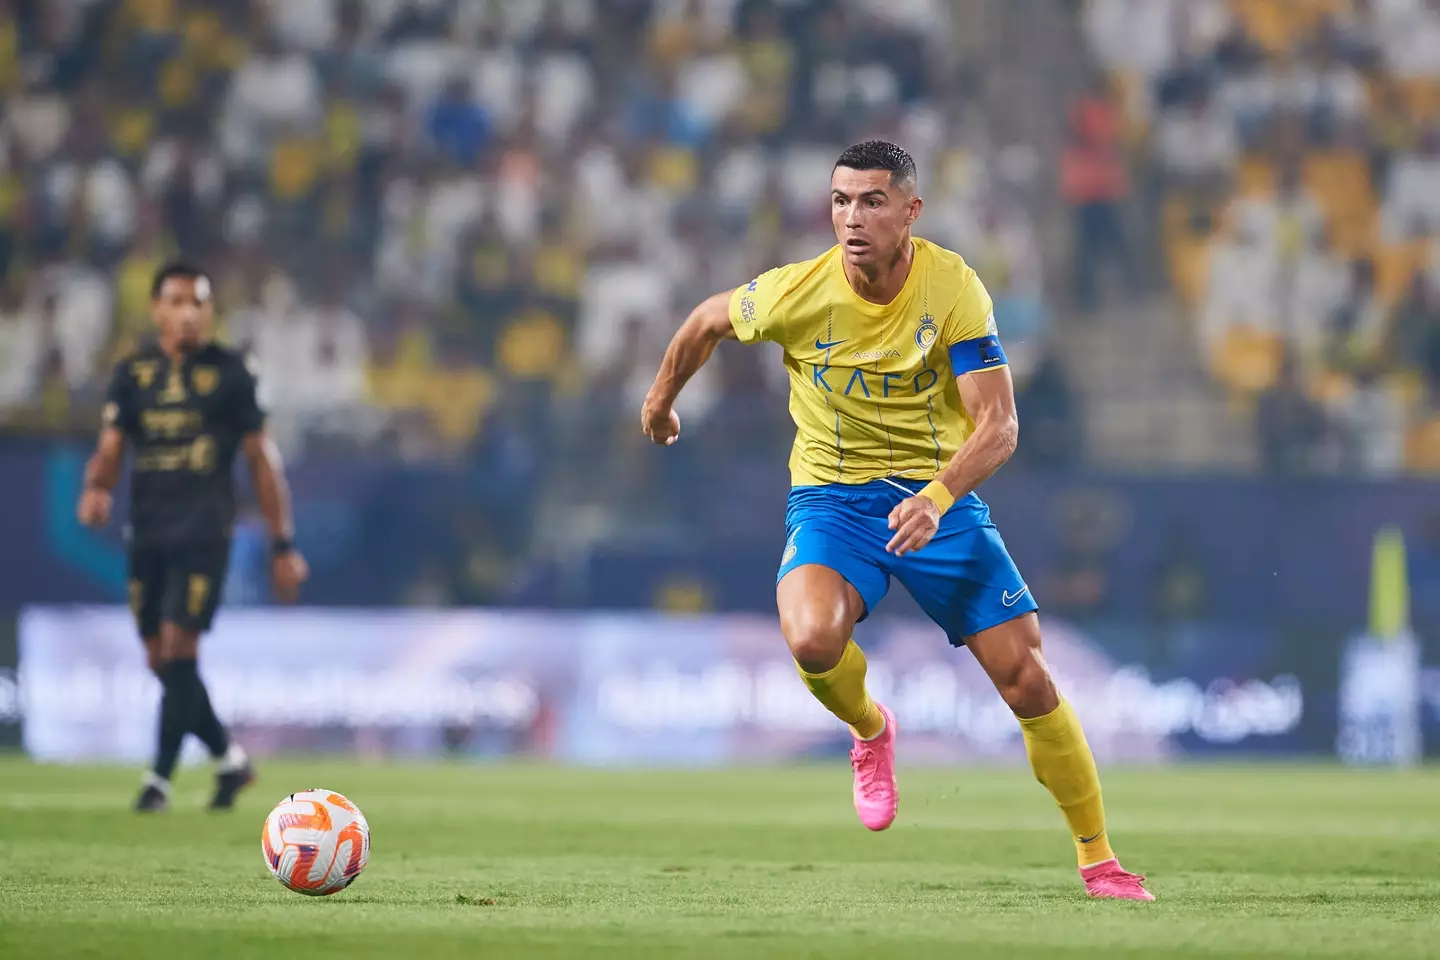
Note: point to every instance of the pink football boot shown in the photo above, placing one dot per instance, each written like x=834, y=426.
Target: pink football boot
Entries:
x=876, y=797
x=1109, y=881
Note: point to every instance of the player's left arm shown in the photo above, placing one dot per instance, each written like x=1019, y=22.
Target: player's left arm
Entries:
x=982, y=374
x=989, y=396
x=288, y=569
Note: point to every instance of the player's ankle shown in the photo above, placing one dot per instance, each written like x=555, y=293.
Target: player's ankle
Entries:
x=234, y=758
x=155, y=781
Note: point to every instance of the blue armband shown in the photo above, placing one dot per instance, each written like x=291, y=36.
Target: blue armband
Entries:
x=967, y=356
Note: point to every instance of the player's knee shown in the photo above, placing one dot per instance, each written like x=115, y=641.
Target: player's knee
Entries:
x=1027, y=688
x=816, y=642
x=178, y=644
x=153, y=656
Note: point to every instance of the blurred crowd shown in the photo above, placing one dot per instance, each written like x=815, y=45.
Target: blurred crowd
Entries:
x=439, y=223
x=465, y=229
x=1290, y=158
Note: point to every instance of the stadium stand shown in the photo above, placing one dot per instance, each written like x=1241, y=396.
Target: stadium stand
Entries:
x=1293, y=145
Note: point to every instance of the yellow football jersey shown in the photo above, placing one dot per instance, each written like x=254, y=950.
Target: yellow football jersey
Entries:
x=872, y=386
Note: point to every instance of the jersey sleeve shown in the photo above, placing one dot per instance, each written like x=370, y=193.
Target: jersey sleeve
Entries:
x=970, y=333
x=246, y=410
x=756, y=309
x=121, y=409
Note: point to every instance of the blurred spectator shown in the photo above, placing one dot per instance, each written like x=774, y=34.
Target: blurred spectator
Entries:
x=275, y=91
x=1357, y=321
x=24, y=342
x=1371, y=421
x=456, y=124
x=1412, y=200
x=1093, y=180
x=1244, y=280
x=1415, y=333
x=1051, y=427
x=1197, y=145
x=1179, y=585
x=1293, y=430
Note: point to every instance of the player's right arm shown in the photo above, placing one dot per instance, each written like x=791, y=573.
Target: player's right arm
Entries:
x=748, y=314
x=102, y=470
x=702, y=331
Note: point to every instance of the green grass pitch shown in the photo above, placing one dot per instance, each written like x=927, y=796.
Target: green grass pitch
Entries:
x=518, y=861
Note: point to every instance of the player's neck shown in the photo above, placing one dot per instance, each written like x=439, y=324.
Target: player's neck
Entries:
x=882, y=282
x=175, y=350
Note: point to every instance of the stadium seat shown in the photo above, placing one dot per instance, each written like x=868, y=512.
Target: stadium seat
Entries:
x=1329, y=386
x=1132, y=93
x=1409, y=387
x=1269, y=22
x=1278, y=24
x=1422, y=447
x=1188, y=256
x=454, y=400
x=1255, y=177
x=295, y=166
x=1340, y=183
x=1247, y=361
x=1421, y=96
x=1395, y=266
x=531, y=347
x=457, y=401
x=683, y=595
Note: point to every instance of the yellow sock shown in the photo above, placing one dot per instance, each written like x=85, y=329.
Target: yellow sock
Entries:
x=1063, y=763
x=842, y=690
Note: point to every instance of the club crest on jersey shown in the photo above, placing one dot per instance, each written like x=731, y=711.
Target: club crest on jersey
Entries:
x=205, y=380
x=927, y=332
x=144, y=373
x=791, y=547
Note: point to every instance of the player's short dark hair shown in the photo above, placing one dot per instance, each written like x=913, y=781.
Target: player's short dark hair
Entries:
x=880, y=155
x=175, y=270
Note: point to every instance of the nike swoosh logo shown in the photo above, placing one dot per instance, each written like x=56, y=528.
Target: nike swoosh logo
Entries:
x=821, y=345
x=1092, y=839
x=1009, y=600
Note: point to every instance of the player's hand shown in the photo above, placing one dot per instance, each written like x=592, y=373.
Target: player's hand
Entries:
x=914, y=520
x=94, y=508
x=661, y=425
x=287, y=571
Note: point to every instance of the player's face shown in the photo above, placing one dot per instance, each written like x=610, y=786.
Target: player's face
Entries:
x=184, y=310
x=871, y=216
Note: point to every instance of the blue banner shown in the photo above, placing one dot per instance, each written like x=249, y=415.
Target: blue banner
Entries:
x=626, y=689
x=381, y=533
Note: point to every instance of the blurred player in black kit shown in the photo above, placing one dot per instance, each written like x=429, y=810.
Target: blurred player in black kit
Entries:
x=187, y=405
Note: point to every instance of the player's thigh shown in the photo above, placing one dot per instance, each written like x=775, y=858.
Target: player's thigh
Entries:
x=1011, y=656
x=145, y=586
x=966, y=582
x=827, y=582
x=818, y=611
x=194, y=580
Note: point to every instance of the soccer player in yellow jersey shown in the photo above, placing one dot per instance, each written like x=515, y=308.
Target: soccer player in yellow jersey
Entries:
x=903, y=405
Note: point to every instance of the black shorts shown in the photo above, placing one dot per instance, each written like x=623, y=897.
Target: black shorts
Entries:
x=179, y=585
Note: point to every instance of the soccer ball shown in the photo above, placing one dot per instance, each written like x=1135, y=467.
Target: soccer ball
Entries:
x=316, y=842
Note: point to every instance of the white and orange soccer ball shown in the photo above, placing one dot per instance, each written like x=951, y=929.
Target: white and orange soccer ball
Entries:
x=316, y=842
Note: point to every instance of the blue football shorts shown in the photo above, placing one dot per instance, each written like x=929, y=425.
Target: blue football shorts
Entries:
x=963, y=578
